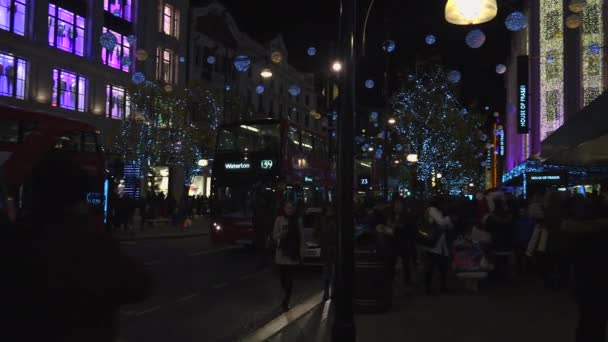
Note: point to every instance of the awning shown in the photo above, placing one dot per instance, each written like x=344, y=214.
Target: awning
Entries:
x=583, y=140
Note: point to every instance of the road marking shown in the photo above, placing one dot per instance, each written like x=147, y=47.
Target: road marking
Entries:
x=220, y=285
x=213, y=251
x=127, y=312
x=147, y=311
x=187, y=298
x=283, y=320
x=151, y=262
x=247, y=276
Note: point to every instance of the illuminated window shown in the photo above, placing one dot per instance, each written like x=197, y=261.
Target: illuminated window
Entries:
x=118, y=102
x=12, y=16
x=169, y=20
x=69, y=90
x=66, y=30
x=120, y=8
x=166, y=66
x=551, y=66
x=12, y=76
x=592, y=51
x=115, y=57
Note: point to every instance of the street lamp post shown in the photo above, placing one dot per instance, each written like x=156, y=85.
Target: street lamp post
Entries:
x=344, y=325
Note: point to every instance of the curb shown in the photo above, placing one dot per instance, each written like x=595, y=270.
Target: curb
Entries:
x=281, y=322
x=160, y=237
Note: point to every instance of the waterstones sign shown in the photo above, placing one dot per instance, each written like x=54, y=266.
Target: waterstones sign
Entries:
x=523, y=112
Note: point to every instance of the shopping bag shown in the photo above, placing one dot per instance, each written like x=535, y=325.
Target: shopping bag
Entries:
x=428, y=233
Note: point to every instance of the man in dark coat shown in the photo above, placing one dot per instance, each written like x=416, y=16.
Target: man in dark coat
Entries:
x=66, y=276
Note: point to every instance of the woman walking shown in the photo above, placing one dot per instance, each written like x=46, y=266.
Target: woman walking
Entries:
x=287, y=233
x=438, y=255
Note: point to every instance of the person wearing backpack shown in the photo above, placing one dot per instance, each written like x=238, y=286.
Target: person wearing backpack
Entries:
x=287, y=233
x=437, y=255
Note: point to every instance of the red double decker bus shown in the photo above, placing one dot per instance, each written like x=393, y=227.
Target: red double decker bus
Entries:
x=28, y=137
x=260, y=163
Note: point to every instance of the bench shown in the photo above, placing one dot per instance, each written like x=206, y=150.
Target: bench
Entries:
x=471, y=279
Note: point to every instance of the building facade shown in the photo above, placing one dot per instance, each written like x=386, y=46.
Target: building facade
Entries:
x=52, y=59
x=559, y=58
x=556, y=70
x=217, y=46
x=55, y=57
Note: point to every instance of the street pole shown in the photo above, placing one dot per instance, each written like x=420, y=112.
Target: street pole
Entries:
x=344, y=324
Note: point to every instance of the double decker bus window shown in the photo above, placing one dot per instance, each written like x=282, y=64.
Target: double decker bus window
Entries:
x=226, y=141
x=307, y=141
x=70, y=142
x=27, y=128
x=294, y=138
x=9, y=131
x=249, y=138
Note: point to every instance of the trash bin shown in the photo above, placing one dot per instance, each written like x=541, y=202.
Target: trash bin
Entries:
x=373, y=287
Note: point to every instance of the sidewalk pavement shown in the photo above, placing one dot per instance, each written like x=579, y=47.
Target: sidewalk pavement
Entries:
x=200, y=227
x=517, y=312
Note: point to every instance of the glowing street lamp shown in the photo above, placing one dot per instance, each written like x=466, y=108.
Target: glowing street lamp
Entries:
x=470, y=12
x=412, y=158
x=392, y=121
x=471, y=185
x=203, y=162
x=439, y=176
x=337, y=66
x=266, y=73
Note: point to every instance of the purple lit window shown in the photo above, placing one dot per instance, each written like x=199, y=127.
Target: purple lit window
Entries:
x=69, y=90
x=120, y=8
x=118, y=103
x=66, y=30
x=12, y=76
x=12, y=16
x=114, y=58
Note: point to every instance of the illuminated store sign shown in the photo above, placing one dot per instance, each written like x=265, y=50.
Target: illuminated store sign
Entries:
x=308, y=179
x=557, y=179
x=237, y=166
x=523, y=113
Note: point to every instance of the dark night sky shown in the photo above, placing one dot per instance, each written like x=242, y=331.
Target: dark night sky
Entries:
x=315, y=23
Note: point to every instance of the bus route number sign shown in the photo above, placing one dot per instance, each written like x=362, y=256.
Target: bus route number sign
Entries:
x=266, y=164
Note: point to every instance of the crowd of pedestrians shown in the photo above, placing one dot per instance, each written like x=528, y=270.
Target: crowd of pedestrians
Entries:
x=559, y=236
x=123, y=210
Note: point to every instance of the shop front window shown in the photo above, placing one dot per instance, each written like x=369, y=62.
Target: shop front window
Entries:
x=159, y=180
x=13, y=15
x=12, y=76
x=118, y=103
x=69, y=90
x=66, y=30
x=119, y=8
x=121, y=53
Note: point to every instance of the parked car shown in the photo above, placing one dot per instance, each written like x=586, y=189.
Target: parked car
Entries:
x=311, y=255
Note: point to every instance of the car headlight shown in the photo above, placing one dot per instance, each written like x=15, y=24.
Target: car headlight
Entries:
x=217, y=227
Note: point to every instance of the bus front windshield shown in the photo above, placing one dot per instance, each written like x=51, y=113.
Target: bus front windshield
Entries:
x=249, y=138
x=234, y=201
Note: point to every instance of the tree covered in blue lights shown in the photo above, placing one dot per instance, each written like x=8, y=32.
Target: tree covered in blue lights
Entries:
x=433, y=124
x=168, y=127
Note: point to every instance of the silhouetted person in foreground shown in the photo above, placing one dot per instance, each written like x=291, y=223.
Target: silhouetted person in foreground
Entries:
x=68, y=276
